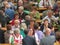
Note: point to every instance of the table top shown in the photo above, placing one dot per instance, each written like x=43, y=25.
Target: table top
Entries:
x=41, y=8
x=5, y=44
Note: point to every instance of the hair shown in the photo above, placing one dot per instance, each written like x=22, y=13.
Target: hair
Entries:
x=45, y=20
x=49, y=11
x=16, y=15
x=26, y=32
x=36, y=25
x=16, y=31
x=58, y=35
x=21, y=7
x=23, y=26
x=8, y=27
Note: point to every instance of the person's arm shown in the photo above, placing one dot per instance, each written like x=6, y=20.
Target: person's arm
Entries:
x=41, y=3
x=3, y=28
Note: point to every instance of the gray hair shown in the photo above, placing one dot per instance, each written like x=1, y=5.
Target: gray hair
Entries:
x=49, y=11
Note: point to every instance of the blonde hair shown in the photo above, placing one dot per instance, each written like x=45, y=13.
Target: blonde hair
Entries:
x=21, y=7
x=16, y=31
x=23, y=26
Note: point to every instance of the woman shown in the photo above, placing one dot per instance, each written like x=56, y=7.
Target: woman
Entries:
x=16, y=17
x=16, y=25
x=17, y=38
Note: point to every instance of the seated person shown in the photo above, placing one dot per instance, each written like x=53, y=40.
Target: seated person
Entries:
x=45, y=3
x=57, y=38
x=50, y=17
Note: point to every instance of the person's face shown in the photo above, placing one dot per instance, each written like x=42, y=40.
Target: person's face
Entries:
x=16, y=24
x=58, y=4
x=17, y=34
x=20, y=11
x=46, y=23
x=20, y=3
x=17, y=17
x=50, y=14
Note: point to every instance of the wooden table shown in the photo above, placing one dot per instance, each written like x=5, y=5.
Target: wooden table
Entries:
x=41, y=9
x=5, y=44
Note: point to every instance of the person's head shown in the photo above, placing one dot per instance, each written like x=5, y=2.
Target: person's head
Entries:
x=32, y=20
x=16, y=16
x=58, y=36
x=1, y=12
x=49, y=13
x=26, y=31
x=36, y=25
x=16, y=22
x=17, y=33
x=47, y=31
x=27, y=17
x=45, y=21
x=9, y=27
x=23, y=26
x=5, y=3
x=20, y=9
x=20, y=3
x=58, y=3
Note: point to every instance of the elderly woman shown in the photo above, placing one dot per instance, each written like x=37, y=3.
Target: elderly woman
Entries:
x=17, y=38
x=16, y=25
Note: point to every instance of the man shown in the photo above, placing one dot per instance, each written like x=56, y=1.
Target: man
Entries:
x=2, y=26
x=28, y=40
x=10, y=12
x=45, y=3
x=21, y=12
x=50, y=17
x=57, y=38
x=47, y=40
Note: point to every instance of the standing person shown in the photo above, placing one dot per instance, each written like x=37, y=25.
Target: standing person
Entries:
x=17, y=38
x=28, y=40
x=38, y=34
x=57, y=38
x=7, y=33
x=9, y=11
x=47, y=40
x=2, y=26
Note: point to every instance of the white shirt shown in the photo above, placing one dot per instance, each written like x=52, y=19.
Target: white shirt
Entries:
x=15, y=28
x=49, y=19
x=41, y=3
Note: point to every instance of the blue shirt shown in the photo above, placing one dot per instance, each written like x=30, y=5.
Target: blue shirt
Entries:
x=10, y=13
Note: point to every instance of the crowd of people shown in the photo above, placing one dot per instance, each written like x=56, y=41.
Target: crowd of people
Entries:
x=18, y=24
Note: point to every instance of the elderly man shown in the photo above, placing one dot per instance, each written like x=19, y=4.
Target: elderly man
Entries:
x=50, y=17
x=21, y=12
x=45, y=3
x=47, y=40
